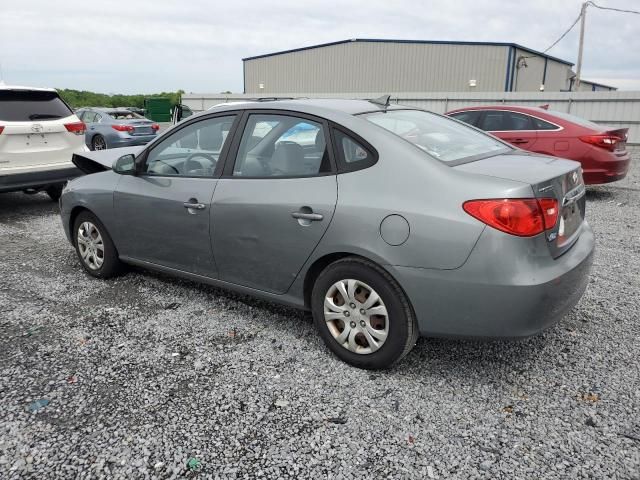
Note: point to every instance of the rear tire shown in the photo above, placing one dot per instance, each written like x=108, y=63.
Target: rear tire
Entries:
x=98, y=143
x=94, y=247
x=54, y=191
x=374, y=326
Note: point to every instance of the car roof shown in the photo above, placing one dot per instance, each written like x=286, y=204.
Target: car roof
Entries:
x=4, y=86
x=342, y=105
x=522, y=108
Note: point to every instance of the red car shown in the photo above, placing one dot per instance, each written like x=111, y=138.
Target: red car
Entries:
x=601, y=150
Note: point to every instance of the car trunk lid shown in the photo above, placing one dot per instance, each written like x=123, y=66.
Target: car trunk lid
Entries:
x=27, y=144
x=548, y=177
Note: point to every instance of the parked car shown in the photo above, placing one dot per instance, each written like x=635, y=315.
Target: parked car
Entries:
x=601, y=150
x=389, y=223
x=38, y=135
x=116, y=127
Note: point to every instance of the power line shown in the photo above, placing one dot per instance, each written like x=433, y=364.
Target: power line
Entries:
x=564, y=34
x=591, y=4
x=614, y=9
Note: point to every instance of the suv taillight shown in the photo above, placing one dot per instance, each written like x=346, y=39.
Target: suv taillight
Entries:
x=123, y=128
x=1, y=128
x=604, y=140
x=524, y=217
x=76, y=127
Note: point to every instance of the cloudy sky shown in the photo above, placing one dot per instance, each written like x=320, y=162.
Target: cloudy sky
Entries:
x=144, y=46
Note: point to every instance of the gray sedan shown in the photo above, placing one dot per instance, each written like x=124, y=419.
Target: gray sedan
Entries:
x=386, y=222
x=116, y=127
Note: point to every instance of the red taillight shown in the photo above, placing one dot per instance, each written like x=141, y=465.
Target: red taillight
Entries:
x=524, y=217
x=605, y=141
x=1, y=128
x=76, y=127
x=155, y=127
x=123, y=128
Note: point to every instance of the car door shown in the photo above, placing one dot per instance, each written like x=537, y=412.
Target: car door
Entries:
x=275, y=200
x=513, y=127
x=164, y=211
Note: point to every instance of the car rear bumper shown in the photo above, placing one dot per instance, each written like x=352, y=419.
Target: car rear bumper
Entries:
x=605, y=167
x=497, y=293
x=36, y=179
x=131, y=141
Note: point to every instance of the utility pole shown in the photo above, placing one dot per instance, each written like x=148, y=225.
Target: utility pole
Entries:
x=583, y=14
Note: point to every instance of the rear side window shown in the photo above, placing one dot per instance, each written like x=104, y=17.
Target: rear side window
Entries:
x=542, y=125
x=28, y=105
x=352, y=153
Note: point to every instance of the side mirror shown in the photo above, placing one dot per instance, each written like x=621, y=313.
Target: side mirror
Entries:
x=125, y=165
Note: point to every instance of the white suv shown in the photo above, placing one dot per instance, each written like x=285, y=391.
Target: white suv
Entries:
x=38, y=135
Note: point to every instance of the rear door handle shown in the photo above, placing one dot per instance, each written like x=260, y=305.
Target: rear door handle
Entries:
x=313, y=217
x=519, y=140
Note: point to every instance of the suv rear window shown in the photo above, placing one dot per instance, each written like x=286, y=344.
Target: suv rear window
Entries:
x=30, y=105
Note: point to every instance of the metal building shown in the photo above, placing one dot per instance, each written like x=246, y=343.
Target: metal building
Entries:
x=370, y=65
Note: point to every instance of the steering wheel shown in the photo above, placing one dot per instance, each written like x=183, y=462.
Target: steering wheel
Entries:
x=206, y=156
x=170, y=166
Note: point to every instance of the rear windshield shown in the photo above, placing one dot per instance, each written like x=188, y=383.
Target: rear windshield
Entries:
x=447, y=140
x=28, y=105
x=577, y=120
x=124, y=115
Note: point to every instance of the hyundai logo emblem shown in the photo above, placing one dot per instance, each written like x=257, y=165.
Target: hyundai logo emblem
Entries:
x=36, y=127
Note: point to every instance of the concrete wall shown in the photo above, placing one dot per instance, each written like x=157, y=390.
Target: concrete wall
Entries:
x=616, y=108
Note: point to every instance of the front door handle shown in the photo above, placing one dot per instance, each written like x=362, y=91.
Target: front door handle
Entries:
x=193, y=204
x=313, y=217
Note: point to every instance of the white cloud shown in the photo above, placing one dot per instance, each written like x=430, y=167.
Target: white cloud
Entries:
x=197, y=45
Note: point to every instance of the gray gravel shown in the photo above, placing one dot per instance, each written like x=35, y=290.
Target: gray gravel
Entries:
x=146, y=373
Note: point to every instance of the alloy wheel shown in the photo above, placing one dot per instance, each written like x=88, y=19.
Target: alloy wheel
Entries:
x=99, y=143
x=90, y=245
x=356, y=316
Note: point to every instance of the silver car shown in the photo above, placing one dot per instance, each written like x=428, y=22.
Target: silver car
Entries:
x=386, y=222
x=116, y=127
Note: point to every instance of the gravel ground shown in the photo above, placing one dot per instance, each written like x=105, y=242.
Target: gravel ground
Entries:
x=151, y=377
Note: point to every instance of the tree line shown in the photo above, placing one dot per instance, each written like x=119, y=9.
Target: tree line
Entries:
x=83, y=98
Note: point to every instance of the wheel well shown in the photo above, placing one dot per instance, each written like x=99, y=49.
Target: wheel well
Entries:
x=75, y=211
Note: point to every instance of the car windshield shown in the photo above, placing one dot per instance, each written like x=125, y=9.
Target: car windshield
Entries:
x=124, y=115
x=447, y=140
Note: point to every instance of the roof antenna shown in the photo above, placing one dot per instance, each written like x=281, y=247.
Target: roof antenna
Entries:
x=384, y=101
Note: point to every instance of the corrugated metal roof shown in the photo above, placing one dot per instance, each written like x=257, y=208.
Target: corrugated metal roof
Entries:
x=434, y=42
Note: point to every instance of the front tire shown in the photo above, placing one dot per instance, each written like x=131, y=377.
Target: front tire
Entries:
x=94, y=247
x=362, y=314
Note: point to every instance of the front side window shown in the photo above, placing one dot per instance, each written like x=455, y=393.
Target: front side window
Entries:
x=442, y=138
x=469, y=116
x=281, y=146
x=192, y=151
